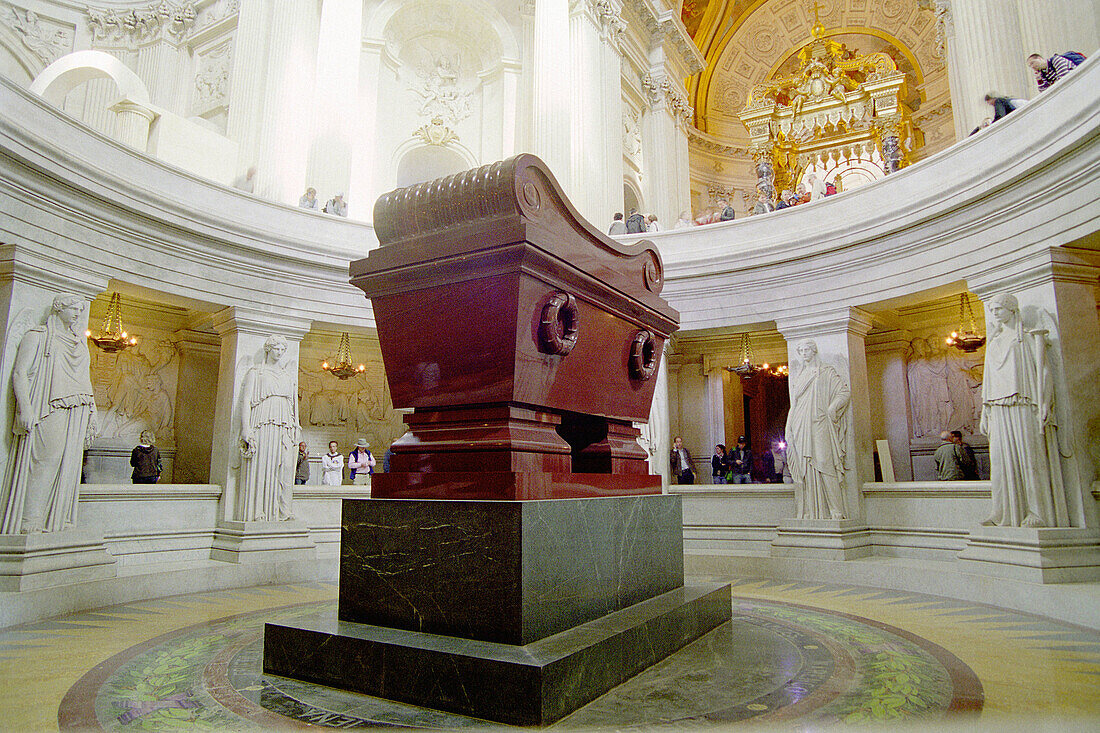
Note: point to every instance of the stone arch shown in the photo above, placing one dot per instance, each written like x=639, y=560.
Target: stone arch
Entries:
x=381, y=20
x=420, y=163
x=74, y=69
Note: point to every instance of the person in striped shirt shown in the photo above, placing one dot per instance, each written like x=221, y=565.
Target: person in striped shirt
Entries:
x=1049, y=71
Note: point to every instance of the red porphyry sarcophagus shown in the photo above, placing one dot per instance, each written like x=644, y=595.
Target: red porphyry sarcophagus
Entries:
x=526, y=340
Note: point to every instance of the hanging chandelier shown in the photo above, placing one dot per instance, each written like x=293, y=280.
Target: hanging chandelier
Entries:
x=967, y=340
x=747, y=367
x=113, y=338
x=343, y=368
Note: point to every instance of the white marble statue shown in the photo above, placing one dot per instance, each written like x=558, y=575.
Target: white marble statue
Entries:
x=55, y=420
x=269, y=438
x=1019, y=418
x=817, y=433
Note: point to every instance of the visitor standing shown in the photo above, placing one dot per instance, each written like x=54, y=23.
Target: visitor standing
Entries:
x=145, y=458
x=332, y=465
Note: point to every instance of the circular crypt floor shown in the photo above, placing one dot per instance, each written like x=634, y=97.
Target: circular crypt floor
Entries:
x=794, y=654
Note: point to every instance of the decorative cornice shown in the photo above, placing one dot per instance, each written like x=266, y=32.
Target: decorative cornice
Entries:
x=138, y=26
x=665, y=27
x=699, y=139
x=660, y=89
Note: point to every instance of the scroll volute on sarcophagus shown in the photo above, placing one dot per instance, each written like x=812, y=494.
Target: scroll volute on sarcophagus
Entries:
x=489, y=288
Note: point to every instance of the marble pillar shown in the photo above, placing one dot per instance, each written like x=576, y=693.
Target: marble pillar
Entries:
x=246, y=80
x=551, y=93
x=335, y=133
x=839, y=337
x=889, y=391
x=665, y=189
x=986, y=54
x=365, y=185
x=1048, y=28
x=132, y=123
x=243, y=333
x=597, y=159
x=160, y=65
x=284, y=142
x=196, y=390
x=714, y=405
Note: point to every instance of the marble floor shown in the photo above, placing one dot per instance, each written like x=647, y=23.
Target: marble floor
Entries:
x=794, y=656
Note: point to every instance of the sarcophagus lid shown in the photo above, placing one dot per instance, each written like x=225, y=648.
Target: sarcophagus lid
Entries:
x=489, y=288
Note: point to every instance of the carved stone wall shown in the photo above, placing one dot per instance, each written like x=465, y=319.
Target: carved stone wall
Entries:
x=345, y=410
x=30, y=41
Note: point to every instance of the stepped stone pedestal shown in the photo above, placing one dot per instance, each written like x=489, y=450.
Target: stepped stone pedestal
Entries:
x=1038, y=555
x=519, y=560
x=34, y=561
x=823, y=539
x=244, y=542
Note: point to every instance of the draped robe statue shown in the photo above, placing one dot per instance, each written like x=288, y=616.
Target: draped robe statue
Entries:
x=55, y=420
x=269, y=438
x=816, y=437
x=1019, y=418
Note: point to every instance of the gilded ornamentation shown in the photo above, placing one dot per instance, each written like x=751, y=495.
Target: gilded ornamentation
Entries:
x=436, y=133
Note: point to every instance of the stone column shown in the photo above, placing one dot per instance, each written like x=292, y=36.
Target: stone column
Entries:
x=246, y=80
x=335, y=132
x=364, y=187
x=595, y=27
x=714, y=404
x=1048, y=28
x=288, y=98
x=840, y=340
x=655, y=434
x=196, y=390
x=243, y=333
x=889, y=384
x=132, y=123
x=551, y=94
x=664, y=145
x=986, y=54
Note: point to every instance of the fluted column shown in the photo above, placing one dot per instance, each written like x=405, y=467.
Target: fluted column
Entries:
x=1048, y=28
x=714, y=405
x=335, y=131
x=595, y=27
x=284, y=134
x=986, y=53
x=551, y=94
x=665, y=186
x=364, y=185
x=246, y=82
x=132, y=123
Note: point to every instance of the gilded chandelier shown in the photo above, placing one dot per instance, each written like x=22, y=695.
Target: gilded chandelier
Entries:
x=343, y=368
x=113, y=338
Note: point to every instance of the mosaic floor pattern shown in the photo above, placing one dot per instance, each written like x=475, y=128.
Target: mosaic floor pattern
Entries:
x=794, y=653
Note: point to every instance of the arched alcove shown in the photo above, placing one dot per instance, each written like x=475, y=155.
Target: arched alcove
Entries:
x=427, y=163
x=70, y=71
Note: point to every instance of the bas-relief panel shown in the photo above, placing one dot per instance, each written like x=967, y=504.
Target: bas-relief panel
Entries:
x=47, y=40
x=345, y=410
x=135, y=391
x=945, y=387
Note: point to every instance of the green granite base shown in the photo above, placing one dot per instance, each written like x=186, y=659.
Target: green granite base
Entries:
x=534, y=684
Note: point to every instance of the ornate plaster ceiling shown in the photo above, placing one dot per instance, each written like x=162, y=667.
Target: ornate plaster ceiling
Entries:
x=746, y=42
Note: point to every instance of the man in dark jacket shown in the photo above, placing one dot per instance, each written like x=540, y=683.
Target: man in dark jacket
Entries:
x=301, y=470
x=635, y=223
x=145, y=459
x=740, y=462
x=680, y=462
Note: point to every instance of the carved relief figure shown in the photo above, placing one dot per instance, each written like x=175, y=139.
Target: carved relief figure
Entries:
x=55, y=420
x=943, y=387
x=817, y=434
x=439, y=90
x=269, y=438
x=132, y=392
x=356, y=406
x=1018, y=415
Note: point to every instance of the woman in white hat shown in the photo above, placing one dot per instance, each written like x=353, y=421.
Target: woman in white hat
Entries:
x=361, y=463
